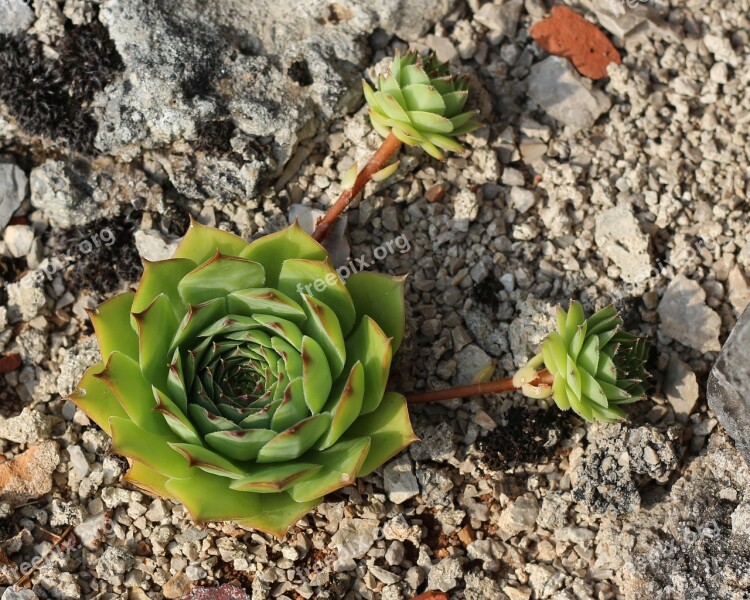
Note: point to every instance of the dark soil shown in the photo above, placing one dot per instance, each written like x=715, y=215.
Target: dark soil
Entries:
x=106, y=266
x=528, y=435
x=486, y=292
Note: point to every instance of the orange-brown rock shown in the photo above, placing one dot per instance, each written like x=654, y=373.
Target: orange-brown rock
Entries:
x=566, y=33
x=29, y=475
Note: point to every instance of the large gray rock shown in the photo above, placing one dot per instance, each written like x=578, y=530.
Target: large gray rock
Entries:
x=13, y=186
x=728, y=388
x=16, y=16
x=29, y=427
x=691, y=544
x=243, y=82
x=555, y=85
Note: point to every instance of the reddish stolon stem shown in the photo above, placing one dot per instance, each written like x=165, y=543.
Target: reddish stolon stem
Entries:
x=475, y=389
x=390, y=145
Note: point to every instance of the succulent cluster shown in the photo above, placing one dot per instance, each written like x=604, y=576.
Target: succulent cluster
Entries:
x=596, y=366
x=247, y=380
x=422, y=104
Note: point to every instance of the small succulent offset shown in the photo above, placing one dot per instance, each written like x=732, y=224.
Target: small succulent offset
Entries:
x=422, y=104
x=595, y=366
x=247, y=380
x=419, y=103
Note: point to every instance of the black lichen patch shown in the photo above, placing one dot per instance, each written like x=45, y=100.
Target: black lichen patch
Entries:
x=299, y=71
x=529, y=436
x=100, y=256
x=10, y=405
x=174, y=220
x=201, y=83
x=10, y=271
x=214, y=136
x=486, y=292
x=51, y=98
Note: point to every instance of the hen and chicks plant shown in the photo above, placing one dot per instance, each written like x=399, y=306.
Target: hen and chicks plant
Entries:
x=247, y=380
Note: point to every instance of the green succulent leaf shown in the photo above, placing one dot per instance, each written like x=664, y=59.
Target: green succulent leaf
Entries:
x=94, y=397
x=111, y=321
x=423, y=97
x=323, y=327
x=150, y=449
x=454, y=104
x=430, y=123
x=293, y=407
x=276, y=516
x=208, y=497
x=413, y=75
x=319, y=280
x=195, y=321
x=162, y=277
x=293, y=442
x=148, y=479
x=176, y=418
x=267, y=479
x=316, y=375
x=156, y=326
x=240, y=444
x=272, y=250
x=386, y=308
x=388, y=428
x=370, y=346
x=123, y=375
x=201, y=243
x=219, y=276
x=444, y=142
x=370, y=97
x=339, y=464
x=345, y=405
x=208, y=460
x=265, y=301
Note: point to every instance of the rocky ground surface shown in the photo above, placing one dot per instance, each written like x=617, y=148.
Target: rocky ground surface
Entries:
x=119, y=118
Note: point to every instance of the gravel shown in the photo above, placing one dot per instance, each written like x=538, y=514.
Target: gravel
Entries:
x=632, y=189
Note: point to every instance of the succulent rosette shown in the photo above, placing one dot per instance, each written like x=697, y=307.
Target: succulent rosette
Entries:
x=248, y=380
x=422, y=104
x=596, y=365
